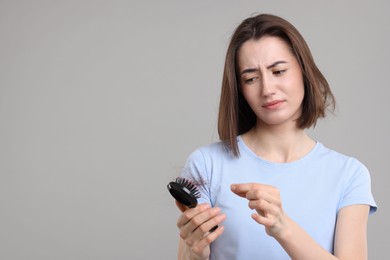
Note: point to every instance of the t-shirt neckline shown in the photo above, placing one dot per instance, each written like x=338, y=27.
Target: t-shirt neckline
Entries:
x=243, y=147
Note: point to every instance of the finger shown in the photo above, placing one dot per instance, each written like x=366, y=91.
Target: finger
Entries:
x=268, y=215
x=189, y=213
x=180, y=206
x=270, y=196
x=264, y=208
x=194, y=223
x=199, y=220
x=242, y=188
x=203, y=230
x=207, y=240
x=263, y=220
x=209, y=226
x=259, y=204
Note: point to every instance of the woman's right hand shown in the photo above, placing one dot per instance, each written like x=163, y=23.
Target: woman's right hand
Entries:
x=195, y=225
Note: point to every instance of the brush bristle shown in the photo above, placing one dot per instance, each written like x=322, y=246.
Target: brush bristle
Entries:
x=188, y=185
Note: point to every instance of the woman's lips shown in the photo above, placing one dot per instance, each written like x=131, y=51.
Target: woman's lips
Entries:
x=272, y=104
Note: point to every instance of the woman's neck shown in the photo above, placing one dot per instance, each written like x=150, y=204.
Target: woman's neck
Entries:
x=279, y=144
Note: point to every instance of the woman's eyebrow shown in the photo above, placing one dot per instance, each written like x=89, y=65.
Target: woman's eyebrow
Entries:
x=250, y=70
x=276, y=63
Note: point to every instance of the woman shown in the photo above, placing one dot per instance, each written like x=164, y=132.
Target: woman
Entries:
x=274, y=192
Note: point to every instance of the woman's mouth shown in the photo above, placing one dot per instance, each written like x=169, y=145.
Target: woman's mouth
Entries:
x=272, y=104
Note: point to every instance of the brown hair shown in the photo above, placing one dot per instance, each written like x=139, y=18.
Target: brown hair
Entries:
x=235, y=116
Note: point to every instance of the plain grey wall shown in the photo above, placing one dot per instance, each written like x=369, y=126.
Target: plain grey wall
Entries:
x=102, y=101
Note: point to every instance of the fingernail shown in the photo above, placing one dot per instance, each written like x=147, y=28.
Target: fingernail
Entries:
x=233, y=187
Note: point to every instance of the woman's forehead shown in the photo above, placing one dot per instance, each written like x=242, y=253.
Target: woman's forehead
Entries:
x=263, y=52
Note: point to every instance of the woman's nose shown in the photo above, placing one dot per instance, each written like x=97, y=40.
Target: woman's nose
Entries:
x=267, y=87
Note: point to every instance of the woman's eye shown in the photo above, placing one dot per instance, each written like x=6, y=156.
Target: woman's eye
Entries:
x=250, y=80
x=279, y=72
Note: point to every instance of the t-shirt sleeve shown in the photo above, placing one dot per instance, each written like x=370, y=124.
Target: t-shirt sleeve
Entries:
x=195, y=171
x=358, y=188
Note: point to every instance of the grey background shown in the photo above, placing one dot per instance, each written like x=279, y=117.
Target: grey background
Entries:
x=102, y=101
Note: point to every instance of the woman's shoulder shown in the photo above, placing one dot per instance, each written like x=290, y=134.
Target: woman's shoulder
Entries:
x=213, y=152
x=213, y=149
x=336, y=158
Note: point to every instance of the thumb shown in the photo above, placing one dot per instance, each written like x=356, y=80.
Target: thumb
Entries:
x=180, y=206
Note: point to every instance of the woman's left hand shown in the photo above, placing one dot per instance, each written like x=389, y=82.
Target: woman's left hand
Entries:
x=265, y=199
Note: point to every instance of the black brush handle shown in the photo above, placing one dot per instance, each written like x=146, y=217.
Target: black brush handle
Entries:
x=185, y=193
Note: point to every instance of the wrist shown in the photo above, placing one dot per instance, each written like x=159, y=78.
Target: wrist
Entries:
x=285, y=233
x=190, y=255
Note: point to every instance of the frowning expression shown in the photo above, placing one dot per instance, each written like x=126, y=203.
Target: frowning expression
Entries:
x=271, y=80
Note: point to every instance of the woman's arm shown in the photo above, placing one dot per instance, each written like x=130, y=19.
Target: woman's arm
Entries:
x=350, y=237
x=351, y=232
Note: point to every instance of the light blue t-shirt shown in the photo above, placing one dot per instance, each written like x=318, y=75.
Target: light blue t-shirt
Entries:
x=313, y=189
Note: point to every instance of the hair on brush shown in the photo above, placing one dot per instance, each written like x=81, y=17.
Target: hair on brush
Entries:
x=184, y=191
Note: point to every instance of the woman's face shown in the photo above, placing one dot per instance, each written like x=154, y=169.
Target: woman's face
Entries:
x=271, y=80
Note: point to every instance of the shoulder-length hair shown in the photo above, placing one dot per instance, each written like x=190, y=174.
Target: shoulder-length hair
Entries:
x=235, y=116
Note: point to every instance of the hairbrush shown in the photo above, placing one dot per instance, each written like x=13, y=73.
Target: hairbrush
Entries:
x=184, y=191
